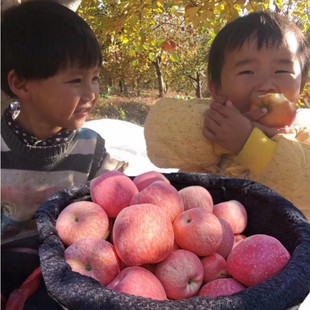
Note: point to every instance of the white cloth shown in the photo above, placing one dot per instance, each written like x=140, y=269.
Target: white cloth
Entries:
x=125, y=141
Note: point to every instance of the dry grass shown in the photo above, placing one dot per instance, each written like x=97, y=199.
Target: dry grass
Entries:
x=132, y=108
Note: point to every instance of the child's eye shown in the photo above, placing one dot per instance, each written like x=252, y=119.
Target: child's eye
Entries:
x=246, y=72
x=282, y=71
x=75, y=81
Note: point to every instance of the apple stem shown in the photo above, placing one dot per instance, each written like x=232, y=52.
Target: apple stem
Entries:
x=88, y=268
x=76, y=219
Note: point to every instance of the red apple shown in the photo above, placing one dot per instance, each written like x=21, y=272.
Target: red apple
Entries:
x=174, y=46
x=256, y=259
x=166, y=46
x=181, y=274
x=163, y=195
x=113, y=191
x=82, y=219
x=198, y=230
x=196, y=196
x=234, y=213
x=145, y=179
x=143, y=234
x=227, y=241
x=188, y=8
x=221, y=287
x=214, y=267
x=169, y=46
x=138, y=281
x=95, y=258
x=281, y=112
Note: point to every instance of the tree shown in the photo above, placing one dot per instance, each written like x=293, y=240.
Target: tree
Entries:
x=134, y=35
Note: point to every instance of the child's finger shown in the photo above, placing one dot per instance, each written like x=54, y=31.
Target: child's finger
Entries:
x=256, y=114
x=272, y=131
x=226, y=108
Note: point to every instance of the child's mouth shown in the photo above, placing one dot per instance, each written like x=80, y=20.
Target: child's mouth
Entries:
x=83, y=111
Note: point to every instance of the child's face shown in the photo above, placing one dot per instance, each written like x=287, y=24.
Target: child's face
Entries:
x=62, y=101
x=249, y=72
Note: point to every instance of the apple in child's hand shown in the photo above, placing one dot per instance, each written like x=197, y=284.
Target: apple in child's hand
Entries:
x=181, y=274
x=163, y=195
x=281, y=112
x=214, y=267
x=138, y=281
x=198, y=230
x=113, y=191
x=145, y=179
x=234, y=213
x=221, y=287
x=143, y=234
x=82, y=219
x=196, y=196
x=227, y=241
x=95, y=258
x=265, y=252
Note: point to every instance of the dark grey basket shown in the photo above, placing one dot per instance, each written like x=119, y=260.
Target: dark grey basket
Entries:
x=268, y=213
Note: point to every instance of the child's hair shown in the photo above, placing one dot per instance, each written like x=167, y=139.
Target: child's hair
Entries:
x=268, y=28
x=40, y=38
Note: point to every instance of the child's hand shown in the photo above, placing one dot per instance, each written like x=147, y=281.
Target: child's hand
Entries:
x=271, y=131
x=256, y=114
x=227, y=127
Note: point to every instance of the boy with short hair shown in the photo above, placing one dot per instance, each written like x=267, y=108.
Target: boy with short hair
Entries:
x=50, y=63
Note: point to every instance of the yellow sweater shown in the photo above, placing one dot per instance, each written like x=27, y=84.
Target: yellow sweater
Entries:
x=281, y=163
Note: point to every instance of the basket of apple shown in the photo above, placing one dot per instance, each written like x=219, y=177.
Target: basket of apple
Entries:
x=173, y=241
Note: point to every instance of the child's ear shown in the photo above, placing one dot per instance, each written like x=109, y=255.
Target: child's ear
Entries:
x=216, y=91
x=18, y=86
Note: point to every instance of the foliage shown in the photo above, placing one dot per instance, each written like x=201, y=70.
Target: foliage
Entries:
x=133, y=34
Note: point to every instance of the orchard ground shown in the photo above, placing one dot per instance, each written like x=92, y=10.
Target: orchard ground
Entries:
x=131, y=108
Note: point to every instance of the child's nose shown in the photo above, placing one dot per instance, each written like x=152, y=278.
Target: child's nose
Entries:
x=266, y=84
x=89, y=93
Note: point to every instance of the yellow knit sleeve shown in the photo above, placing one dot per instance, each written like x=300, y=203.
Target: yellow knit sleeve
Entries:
x=257, y=153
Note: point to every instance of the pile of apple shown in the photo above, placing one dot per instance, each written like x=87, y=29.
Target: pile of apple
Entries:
x=143, y=237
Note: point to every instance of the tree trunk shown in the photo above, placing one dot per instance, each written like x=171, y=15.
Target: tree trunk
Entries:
x=123, y=87
x=198, y=86
x=161, y=84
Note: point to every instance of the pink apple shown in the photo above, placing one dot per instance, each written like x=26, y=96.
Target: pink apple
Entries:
x=162, y=194
x=196, y=196
x=95, y=258
x=234, y=213
x=214, y=267
x=227, y=241
x=138, y=281
x=113, y=191
x=145, y=179
x=82, y=219
x=198, y=230
x=221, y=287
x=143, y=234
x=256, y=259
x=181, y=274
